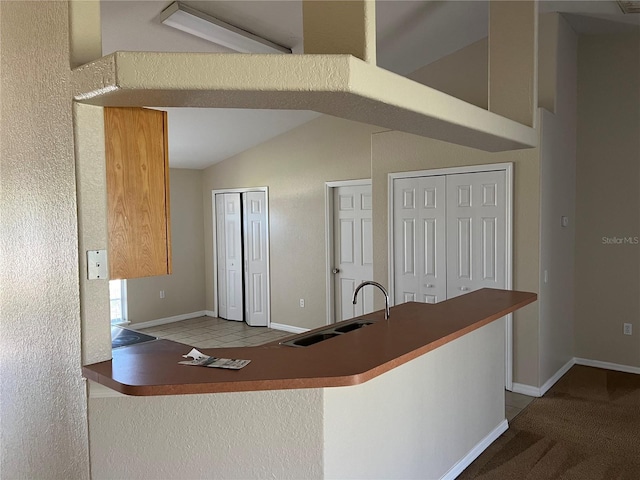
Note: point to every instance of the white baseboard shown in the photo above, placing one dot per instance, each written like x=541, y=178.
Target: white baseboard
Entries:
x=532, y=391
x=557, y=376
x=524, y=389
x=538, y=392
x=288, y=328
x=475, y=452
x=162, y=321
x=208, y=313
x=607, y=365
x=211, y=313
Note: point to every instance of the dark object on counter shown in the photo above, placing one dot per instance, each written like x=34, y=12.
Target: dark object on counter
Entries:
x=123, y=337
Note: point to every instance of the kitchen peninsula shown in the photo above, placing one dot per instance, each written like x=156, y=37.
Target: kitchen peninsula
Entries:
x=418, y=396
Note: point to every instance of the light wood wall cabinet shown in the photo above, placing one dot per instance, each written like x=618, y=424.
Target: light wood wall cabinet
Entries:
x=137, y=192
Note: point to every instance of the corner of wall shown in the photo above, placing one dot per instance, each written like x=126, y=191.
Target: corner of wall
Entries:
x=85, y=32
x=91, y=185
x=557, y=197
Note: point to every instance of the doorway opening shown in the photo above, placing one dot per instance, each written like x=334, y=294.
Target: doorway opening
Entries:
x=118, y=301
x=349, y=240
x=241, y=280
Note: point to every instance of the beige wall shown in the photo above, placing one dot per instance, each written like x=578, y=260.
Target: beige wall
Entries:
x=184, y=288
x=463, y=74
x=295, y=167
x=608, y=198
x=44, y=425
x=557, y=197
x=513, y=60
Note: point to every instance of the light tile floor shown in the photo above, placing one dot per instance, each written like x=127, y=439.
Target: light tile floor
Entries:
x=210, y=332
x=515, y=403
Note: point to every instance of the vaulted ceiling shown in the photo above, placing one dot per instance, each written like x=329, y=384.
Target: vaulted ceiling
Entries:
x=410, y=34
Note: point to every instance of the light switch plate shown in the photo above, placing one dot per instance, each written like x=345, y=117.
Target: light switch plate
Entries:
x=97, y=265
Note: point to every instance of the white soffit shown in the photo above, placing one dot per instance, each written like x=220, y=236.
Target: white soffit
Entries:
x=338, y=85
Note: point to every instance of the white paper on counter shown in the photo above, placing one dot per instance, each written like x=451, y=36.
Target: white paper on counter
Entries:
x=202, y=360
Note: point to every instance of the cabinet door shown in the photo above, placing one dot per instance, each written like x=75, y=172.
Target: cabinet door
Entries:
x=137, y=192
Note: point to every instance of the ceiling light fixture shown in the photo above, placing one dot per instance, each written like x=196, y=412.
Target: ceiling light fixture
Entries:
x=209, y=28
x=629, y=6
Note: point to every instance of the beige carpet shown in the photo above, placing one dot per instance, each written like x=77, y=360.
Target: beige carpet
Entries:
x=587, y=427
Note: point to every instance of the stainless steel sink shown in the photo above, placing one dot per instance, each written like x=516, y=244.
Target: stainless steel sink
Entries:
x=326, y=334
x=349, y=327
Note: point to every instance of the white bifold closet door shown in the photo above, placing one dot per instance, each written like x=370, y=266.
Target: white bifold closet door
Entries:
x=449, y=235
x=229, y=256
x=255, y=258
x=241, y=244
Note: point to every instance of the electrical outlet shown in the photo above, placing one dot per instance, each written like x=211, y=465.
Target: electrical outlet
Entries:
x=302, y=303
x=628, y=329
x=161, y=293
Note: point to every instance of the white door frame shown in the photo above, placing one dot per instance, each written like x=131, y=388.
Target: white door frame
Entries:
x=508, y=169
x=328, y=235
x=214, y=256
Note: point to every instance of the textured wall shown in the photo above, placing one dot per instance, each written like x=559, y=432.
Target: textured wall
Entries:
x=91, y=184
x=295, y=167
x=608, y=198
x=44, y=428
x=258, y=435
x=184, y=288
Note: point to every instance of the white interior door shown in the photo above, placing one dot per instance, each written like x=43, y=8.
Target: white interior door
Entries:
x=256, y=273
x=476, y=231
x=232, y=275
x=419, y=239
x=353, y=249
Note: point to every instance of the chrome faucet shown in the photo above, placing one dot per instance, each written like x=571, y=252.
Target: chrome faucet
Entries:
x=375, y=284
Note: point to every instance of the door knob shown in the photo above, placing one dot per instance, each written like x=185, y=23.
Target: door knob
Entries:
x=335, y=270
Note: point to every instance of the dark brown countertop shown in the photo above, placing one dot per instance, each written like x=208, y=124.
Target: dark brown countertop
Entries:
x=413, y=329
